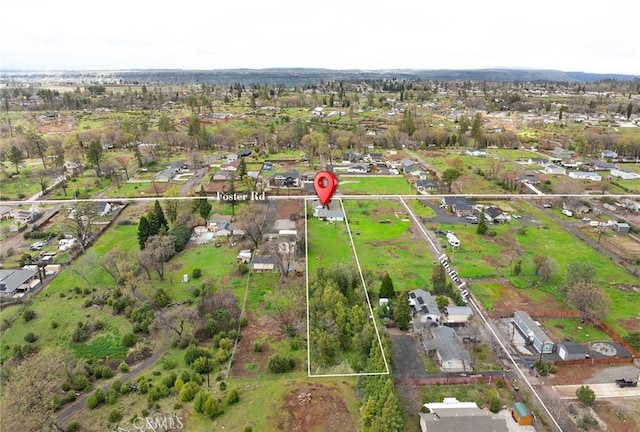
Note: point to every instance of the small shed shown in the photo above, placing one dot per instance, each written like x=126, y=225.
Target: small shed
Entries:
x=521, y=414
x=571, y=351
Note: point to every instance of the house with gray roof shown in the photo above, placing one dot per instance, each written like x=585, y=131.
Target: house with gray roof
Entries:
x=451, y=415
x=167, y=175
x=532, y=332
x=328, y=215
x=457, y=314
x=451, y=355
x=425, y=309
x=17, y=281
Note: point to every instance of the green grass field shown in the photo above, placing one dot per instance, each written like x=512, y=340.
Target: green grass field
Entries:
x=375, y=185
x=574, y=330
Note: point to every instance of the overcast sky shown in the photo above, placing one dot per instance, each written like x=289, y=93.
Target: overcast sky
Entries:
x=568, y=35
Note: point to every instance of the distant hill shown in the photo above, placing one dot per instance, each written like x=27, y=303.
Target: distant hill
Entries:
x=302, y=76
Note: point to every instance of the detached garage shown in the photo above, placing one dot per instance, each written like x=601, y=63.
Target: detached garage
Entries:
x=571, y=351
x=521, y=414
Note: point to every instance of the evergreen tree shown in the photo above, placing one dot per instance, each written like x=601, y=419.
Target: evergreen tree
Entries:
x=586, y=395
x=482, y=224
x=16, y=157
x=386, y=289
x=402, y=311
x=439, y=280
x=232, y=192
x=242, y=169
x=144, y=231
x=158, y=220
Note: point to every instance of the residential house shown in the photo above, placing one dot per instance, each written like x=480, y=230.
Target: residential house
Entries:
x=357, y=169
x=538, y=161
x=328, y=215
x=571, y=351
x=529, y=178
x=584, y=175
x=457, y=314
x=427, y=185
x=232, y=157
x=560, y=153
x=451, y=415
x=554, y=169
x=460, y=205
x=452, y=357
x=289, y=179
x=375, y=157
x=494, y=215
x=417, y=172
x=167, y=175
x=624, y=175
x=598, y=165
x=406, y=164
x=621, y=227
x=425, y=309
x=244, y=256
x=608, y=154
x=532, y=332
x=221, y=176
x=476, y=153
x=263, y=263
x=17, y=282
x=231, y=166
x=243, y=153
x=521, y=414
x=24, y=216
x=104, y=208
x=6, y=212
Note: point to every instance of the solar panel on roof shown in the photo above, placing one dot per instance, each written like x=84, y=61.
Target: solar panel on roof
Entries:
x=420, y=300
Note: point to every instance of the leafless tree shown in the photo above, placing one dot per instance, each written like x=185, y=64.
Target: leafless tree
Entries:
x=158, y=250
x=254, y=219
x=283, y=251
x=589, y=299
x=27, y=395
x=82, y=222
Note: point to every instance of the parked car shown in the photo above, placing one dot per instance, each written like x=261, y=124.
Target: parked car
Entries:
x=515, y=216
x=586, y=219
x=623, y=382
x=37, y=246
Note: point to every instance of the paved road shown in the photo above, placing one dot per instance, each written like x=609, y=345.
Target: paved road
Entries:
x=602, y=391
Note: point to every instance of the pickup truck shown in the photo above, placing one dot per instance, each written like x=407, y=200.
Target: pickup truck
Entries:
x=626, y=383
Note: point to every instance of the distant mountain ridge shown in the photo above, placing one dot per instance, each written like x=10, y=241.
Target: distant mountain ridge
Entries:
x=301, y=76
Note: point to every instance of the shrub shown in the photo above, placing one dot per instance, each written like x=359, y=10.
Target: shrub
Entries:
x=116, y=385
x=74, y=426
x=223, y=386
x=129, y=340
x=123, y=367
x=257, y=346
x=30, y=337
x=233, y=397
x=115, y=416
x=170, y=379
x=168, y=364
x=162, y=298
x=28, y=315
x=111, y=397
x=494, y=404
x=54, y=324
x=80, y=383
x=193, y=353
x=280, y=364
x=188, y=392
x=196, y=273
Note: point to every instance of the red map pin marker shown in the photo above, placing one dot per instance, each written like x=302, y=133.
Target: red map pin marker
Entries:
x=325, y=183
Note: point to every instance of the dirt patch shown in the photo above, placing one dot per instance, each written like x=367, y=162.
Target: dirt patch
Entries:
x=316, y=407
x=246, y=361
x=631, y=324
x=286, y=208
x=619, y=415
x=60, y=124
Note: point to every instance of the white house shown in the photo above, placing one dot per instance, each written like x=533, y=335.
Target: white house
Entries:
x=583, y=175
x=532, y=332
x=264, y=263
x=328, y=215
x=357, y=169
x=452, y=415
x=457, y=314
x=624, y=175
x=554, y=169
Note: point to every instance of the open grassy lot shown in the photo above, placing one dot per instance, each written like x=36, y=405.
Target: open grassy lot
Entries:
x=489, y=257
x=374, y=185
x=328, y=244
x=385, y=243
x=574, y=330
